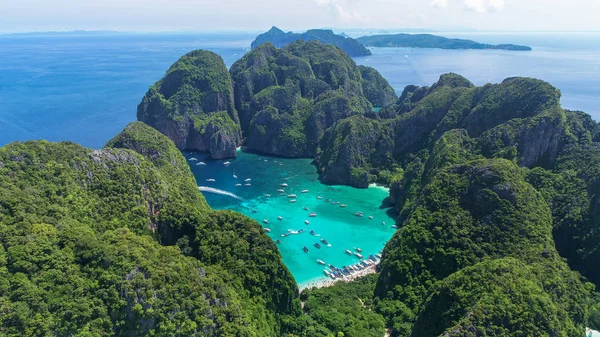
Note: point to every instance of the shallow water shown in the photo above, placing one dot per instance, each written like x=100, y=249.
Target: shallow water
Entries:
x=339, y=226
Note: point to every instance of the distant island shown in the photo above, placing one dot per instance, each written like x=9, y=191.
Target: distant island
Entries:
x=431, y=41
x=280, y=39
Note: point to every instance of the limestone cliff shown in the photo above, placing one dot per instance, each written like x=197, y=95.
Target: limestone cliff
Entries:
x=193, y=106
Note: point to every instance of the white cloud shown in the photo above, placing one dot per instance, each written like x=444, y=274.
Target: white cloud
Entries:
x=482, y=6
x=439, y=3
x=496, y=4
x=349, y=17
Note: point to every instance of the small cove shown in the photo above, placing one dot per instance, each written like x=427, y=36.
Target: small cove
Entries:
x=261, y=201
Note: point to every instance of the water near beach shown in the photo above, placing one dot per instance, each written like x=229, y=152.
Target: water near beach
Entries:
x=339, y=226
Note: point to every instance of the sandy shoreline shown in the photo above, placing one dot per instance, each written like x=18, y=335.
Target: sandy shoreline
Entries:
x=325, y=281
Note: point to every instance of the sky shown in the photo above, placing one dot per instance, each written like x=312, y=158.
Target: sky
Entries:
x=259, y=15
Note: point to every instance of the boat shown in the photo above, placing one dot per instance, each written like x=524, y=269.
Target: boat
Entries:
x=318, y=245
x=319, y=197
x=265, y=221
x=280, y=191
x=304, y=191
x=238, y=184
x=300, y=231
x=293, y=200
x=358, y=249
x=359, y=214
x=370, y=217
x=201, y=163
x=325, y=242
x=394, y=226
x=267, y=195
x=247, y=184
x=383, y=223
x=282, y=194
x=307, y=222
x=378, y=256
x=327, y=200
x=193, y=159
x=293, y=196
x=335, y=202
x=280, y=218
x=348, y=252
x=313, y=233
x=254, y=211
x=305, y=249
x=210, y=180
x=278, y=241
x=248, y=180
x=305, y=208
x=268, y=230
x=284, y=185
x=227, y=163
x=312, y=215
x=234, y=174
x=343, y=205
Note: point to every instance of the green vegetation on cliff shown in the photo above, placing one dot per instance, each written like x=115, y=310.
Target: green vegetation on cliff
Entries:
x=119, y=242
x=193, y=105
x=286, y=98
x=280, y=39
x=431, y=41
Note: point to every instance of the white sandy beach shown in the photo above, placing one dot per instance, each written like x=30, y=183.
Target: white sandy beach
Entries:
x=328, y=282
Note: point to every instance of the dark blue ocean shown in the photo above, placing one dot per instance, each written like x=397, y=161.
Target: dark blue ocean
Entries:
x=85, y=88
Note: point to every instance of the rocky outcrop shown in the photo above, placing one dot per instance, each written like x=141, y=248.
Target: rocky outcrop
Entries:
x=193, y=106
x=376, y=88
x=287, y=98
x=280, y=39
x=519, y=119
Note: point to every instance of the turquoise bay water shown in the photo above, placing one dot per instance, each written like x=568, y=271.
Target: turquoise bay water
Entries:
x=339, y=226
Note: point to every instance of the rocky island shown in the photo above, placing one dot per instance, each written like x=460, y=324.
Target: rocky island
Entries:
x=193, y=105
x=280, y=39
x=431, y=41
x=497, y=191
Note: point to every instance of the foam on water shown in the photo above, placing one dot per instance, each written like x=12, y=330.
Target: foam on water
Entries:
x=261, y=201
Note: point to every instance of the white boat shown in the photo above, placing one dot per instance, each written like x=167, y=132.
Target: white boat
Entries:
x=280, y=218
x=284, y=185
x=238, y=184
x=304, y=191
x=307, y=222
x=383, y=223
x=226, y=163
x=394, y=226
x=319, y=197
x=281, y=191
x=201, y=163
x=265, y=221
x=268, y=230
x=312, y=215
x=235, y=176
x=291, y=196
x=293, y=200
x=267, y=195
x=358, y=249
x=247, y=184
x=348, y=252
x=210, y=180
x=321, y=262
x=248, y=179
x=358, y=255
x=343, y=205
x=305, y=208
x=193, y=159
x=370, y=218
x=359, y=214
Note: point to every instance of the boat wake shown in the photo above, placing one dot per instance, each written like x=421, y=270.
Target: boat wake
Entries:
x=218, y=191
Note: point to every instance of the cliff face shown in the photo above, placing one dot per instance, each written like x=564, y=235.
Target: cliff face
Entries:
x=280, y=39
x=287, y=98
x=519, y=119
x=193, y=106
